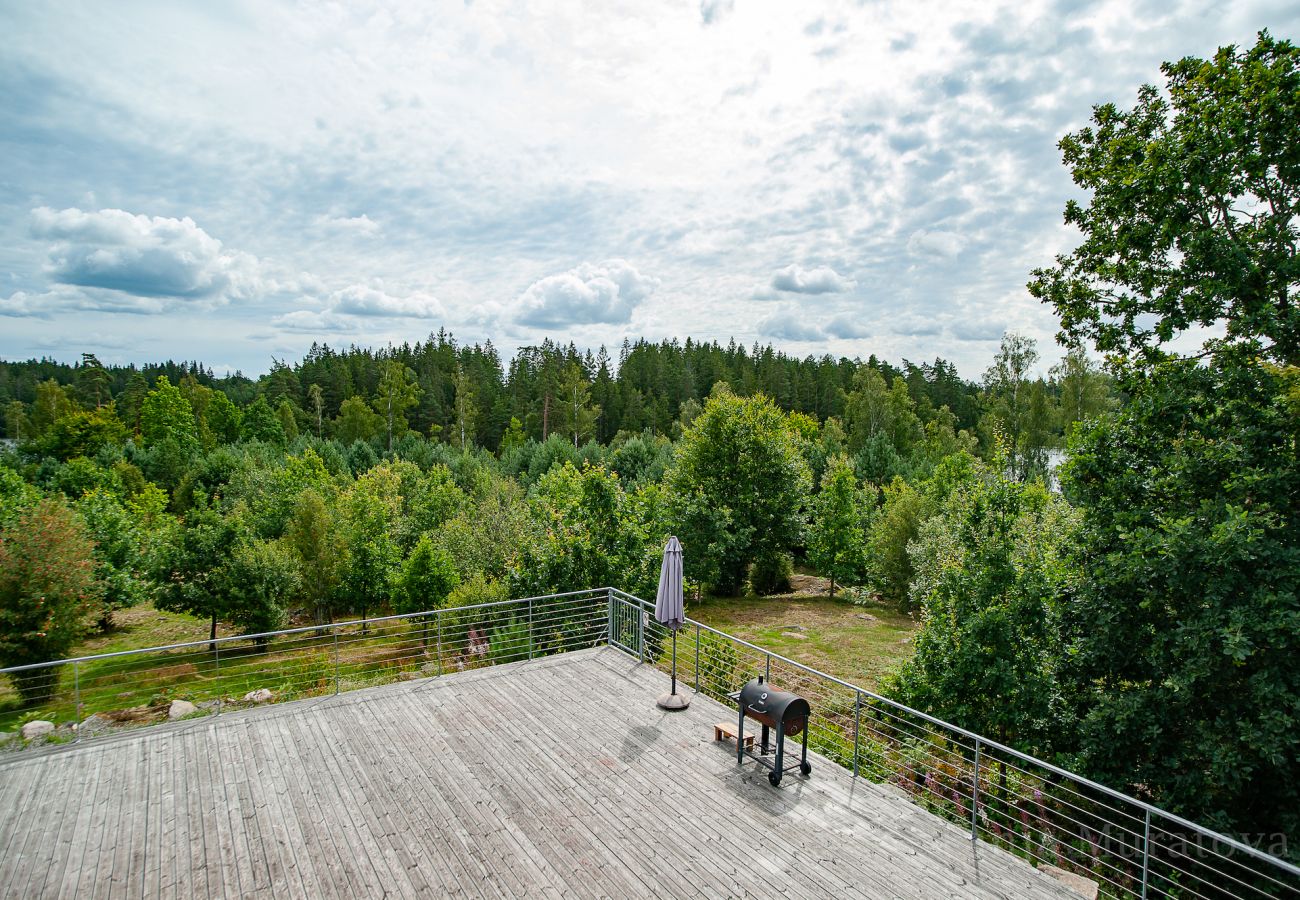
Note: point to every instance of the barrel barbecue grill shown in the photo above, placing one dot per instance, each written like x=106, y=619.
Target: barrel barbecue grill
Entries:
x=787, y=713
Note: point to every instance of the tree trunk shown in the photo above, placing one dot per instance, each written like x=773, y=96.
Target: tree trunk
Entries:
x=546, y=416
x=832, y=587
x=212, y=634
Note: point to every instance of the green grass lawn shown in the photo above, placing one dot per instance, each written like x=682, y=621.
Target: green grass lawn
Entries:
x=856, y=643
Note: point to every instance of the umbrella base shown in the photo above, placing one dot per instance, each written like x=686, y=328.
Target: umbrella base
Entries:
x=673, y=701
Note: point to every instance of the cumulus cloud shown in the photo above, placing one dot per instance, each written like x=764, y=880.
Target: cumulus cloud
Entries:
x=343, y=308
x=359, y=300
x=67, y=298
x=589, y=294
x=790, y=325
x=143, y=256
x=821, y=280
x=308, y=321
x=847, y=326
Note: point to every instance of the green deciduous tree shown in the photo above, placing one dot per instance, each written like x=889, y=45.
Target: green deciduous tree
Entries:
x=737, y=488
x=573, y=413
x=837, y=532
x=466, y=409
x=315, y=537
x=82, y=433
x=398, y=391
x=1186, y=630
x=370, y=511
x=428, y=576
x=167, y=419
x=1086, y=391
x=53, y=401
x=192, y=565
x=48, y=591
x=356, y=422
x=1183, y=637
x=122, y=552
x=990, y=581
x=1190, y=220
x=259, y=580
x=1019, y=413
x=260, y=423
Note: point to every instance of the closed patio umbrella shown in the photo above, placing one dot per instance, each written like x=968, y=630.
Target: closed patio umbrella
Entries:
x=670, y=611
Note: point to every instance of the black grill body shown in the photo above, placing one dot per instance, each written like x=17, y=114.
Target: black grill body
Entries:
x=787, y=713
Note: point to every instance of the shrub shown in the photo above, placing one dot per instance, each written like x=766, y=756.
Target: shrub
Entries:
x=48, y=592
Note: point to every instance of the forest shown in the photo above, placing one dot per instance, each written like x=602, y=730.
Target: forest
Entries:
x=1134, y=616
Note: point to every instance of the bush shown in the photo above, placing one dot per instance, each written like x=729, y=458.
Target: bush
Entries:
x=719, y=661
x=48, y=592
x=770, y=573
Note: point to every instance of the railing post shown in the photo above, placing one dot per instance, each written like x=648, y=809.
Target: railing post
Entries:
x=767, y=675
x=697, y=657
x=1146, y=853
x=609, y=616
x=336, y=660
x=530, y=627
x=437, y=618
x=76, y=693
x=216, y=656
x=975, y=793
x=640, y=627
x=857, y=728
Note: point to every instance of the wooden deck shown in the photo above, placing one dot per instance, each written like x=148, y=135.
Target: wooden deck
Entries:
x=558, y=777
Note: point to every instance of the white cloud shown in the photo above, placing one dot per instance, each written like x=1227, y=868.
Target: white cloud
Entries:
x=943, y=244
x=142, y=256
x=362, y=224
x=307, y=321
x=589, y=294
x=847, y=326
x=469, y=152
x=359, y=300
x=821, y=280
x=789, y=324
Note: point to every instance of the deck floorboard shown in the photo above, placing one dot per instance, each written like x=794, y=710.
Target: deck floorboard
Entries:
x=551, y=778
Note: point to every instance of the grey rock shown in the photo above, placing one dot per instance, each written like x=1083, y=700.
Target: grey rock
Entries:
x=180, y=709
x=93, y=725
x=261, y=695
x=37, y=728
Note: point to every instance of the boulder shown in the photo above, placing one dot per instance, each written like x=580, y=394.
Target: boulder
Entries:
x=261, y=695
x=37, y=728
x=1084, y=887
x=180, y=709
x=94, y=725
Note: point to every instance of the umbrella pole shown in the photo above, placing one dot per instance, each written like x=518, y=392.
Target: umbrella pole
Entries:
x=674, y=701
x=674, y=660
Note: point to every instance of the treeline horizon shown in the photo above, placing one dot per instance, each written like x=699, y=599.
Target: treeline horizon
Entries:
x=644, y=387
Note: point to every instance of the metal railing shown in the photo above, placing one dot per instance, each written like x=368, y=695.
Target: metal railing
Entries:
x=1040, y=812
x=103, y=692
x=1026, y=806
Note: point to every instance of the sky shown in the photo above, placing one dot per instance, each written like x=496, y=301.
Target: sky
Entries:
x=231, y=182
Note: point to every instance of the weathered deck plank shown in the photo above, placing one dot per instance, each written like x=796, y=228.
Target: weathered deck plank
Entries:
x=553, y=778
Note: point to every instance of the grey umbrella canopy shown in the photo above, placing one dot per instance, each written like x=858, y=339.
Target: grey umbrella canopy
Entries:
x=670, y=611
x=670, y=608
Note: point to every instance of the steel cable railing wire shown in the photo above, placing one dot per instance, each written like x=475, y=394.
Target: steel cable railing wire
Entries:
x=1027, y=806
x=136, y=686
